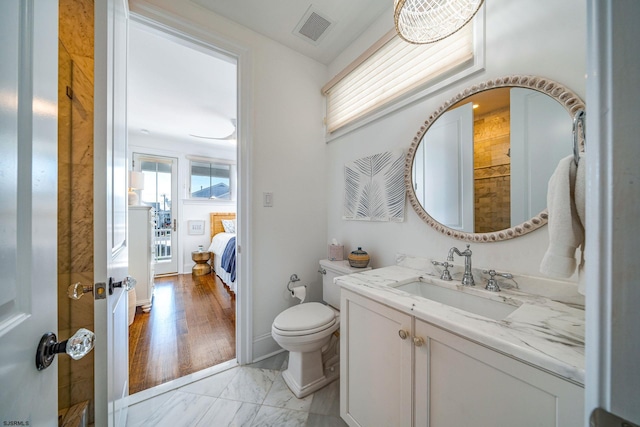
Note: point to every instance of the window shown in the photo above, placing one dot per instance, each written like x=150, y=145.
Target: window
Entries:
x=157, y=186
x=393, y=68
x=210, y=180
x=160, y=191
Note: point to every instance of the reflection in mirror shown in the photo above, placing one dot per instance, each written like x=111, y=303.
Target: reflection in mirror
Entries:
x=479, y=168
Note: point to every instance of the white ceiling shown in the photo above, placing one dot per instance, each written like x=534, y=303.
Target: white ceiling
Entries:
x=278, y=20
x=176, y=90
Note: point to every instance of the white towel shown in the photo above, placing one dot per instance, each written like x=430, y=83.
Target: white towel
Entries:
x=579, y=199
x=566, y=232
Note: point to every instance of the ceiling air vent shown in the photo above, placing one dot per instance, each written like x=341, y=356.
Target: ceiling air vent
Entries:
x=313, y=26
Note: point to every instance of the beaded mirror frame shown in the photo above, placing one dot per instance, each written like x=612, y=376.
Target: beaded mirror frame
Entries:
x=566, y=97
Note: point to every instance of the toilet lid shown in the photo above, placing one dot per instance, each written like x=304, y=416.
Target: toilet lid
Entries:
x=303, y=317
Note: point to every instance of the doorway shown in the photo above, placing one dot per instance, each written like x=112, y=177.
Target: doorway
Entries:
x=160, y=191
x=182, y=102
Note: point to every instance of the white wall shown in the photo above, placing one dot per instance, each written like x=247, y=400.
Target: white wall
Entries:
x=287, y=157
x=290, y=158
x=545, y=38
x=187, y=209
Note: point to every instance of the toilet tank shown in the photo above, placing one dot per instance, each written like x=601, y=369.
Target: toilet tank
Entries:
x=333, y=269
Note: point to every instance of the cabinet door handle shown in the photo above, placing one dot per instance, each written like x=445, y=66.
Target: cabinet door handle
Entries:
x=418, y=341
x=403, y=334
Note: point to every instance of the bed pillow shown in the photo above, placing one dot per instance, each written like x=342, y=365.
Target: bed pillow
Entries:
x=229, y=225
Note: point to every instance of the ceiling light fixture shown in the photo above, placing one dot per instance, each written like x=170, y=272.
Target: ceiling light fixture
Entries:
x=231, y=137
x=427, y=21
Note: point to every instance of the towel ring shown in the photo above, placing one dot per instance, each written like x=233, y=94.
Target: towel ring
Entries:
x=579, y=122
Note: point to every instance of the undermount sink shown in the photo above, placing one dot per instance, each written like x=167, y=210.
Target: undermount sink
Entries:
x=492, y=309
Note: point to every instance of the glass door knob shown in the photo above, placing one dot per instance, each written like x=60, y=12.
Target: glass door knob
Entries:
x=127, y=284
x=76, y=290
x=78, y=346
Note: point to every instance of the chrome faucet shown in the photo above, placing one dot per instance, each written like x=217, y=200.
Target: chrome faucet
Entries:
x=467, y=277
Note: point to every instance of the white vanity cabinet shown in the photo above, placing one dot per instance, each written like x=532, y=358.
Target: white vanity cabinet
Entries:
x=437, y=378
x=462, y=383
x=141, y=254
x=375, y=363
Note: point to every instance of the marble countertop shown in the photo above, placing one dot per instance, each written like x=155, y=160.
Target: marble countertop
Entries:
x=541, y=331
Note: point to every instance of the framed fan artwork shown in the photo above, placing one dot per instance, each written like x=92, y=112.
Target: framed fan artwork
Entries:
x=374, y=188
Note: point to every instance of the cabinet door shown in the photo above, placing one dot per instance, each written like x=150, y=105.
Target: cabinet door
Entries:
x=375, y=383
x=461, y=383
x=140, y=254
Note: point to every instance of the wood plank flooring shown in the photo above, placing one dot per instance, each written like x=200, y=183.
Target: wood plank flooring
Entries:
x=191, y=326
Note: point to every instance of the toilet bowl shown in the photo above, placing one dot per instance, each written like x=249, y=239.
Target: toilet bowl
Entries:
x=308, y=332
x=305, y=330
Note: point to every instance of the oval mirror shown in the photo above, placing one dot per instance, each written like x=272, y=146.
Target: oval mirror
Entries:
x=479, y=167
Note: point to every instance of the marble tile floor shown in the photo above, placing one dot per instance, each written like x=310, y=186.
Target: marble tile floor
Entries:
x=252, y=395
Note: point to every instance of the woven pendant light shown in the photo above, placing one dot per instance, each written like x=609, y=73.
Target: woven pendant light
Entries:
x=427, y=21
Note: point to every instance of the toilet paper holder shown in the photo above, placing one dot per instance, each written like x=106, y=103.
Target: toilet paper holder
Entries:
x=294, y=278
x=299, y=292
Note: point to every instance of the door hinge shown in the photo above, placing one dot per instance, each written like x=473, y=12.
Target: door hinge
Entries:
x=602, y=418
x=69, y=92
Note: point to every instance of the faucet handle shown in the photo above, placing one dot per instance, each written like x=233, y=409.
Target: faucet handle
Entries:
x=492, y=283
x=445, y=274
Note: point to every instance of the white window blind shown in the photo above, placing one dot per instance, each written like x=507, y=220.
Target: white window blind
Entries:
x=394, y=69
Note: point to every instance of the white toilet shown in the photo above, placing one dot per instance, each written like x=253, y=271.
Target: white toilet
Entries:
x=307, y=331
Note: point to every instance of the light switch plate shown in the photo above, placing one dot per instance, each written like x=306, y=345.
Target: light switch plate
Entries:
x=195, y=227
x=267, y=199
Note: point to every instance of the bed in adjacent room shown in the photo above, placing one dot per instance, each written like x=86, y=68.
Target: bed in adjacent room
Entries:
x=223, y=247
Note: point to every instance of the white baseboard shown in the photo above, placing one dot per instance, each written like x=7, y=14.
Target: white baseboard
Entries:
x=282, y=350
x=264, y=346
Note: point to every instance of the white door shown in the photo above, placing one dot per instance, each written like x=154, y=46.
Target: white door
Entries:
x=28, y=208
x=110, y=211
x=444, y=169
x=612, y=270
x=535, y=150
x=161, y=191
